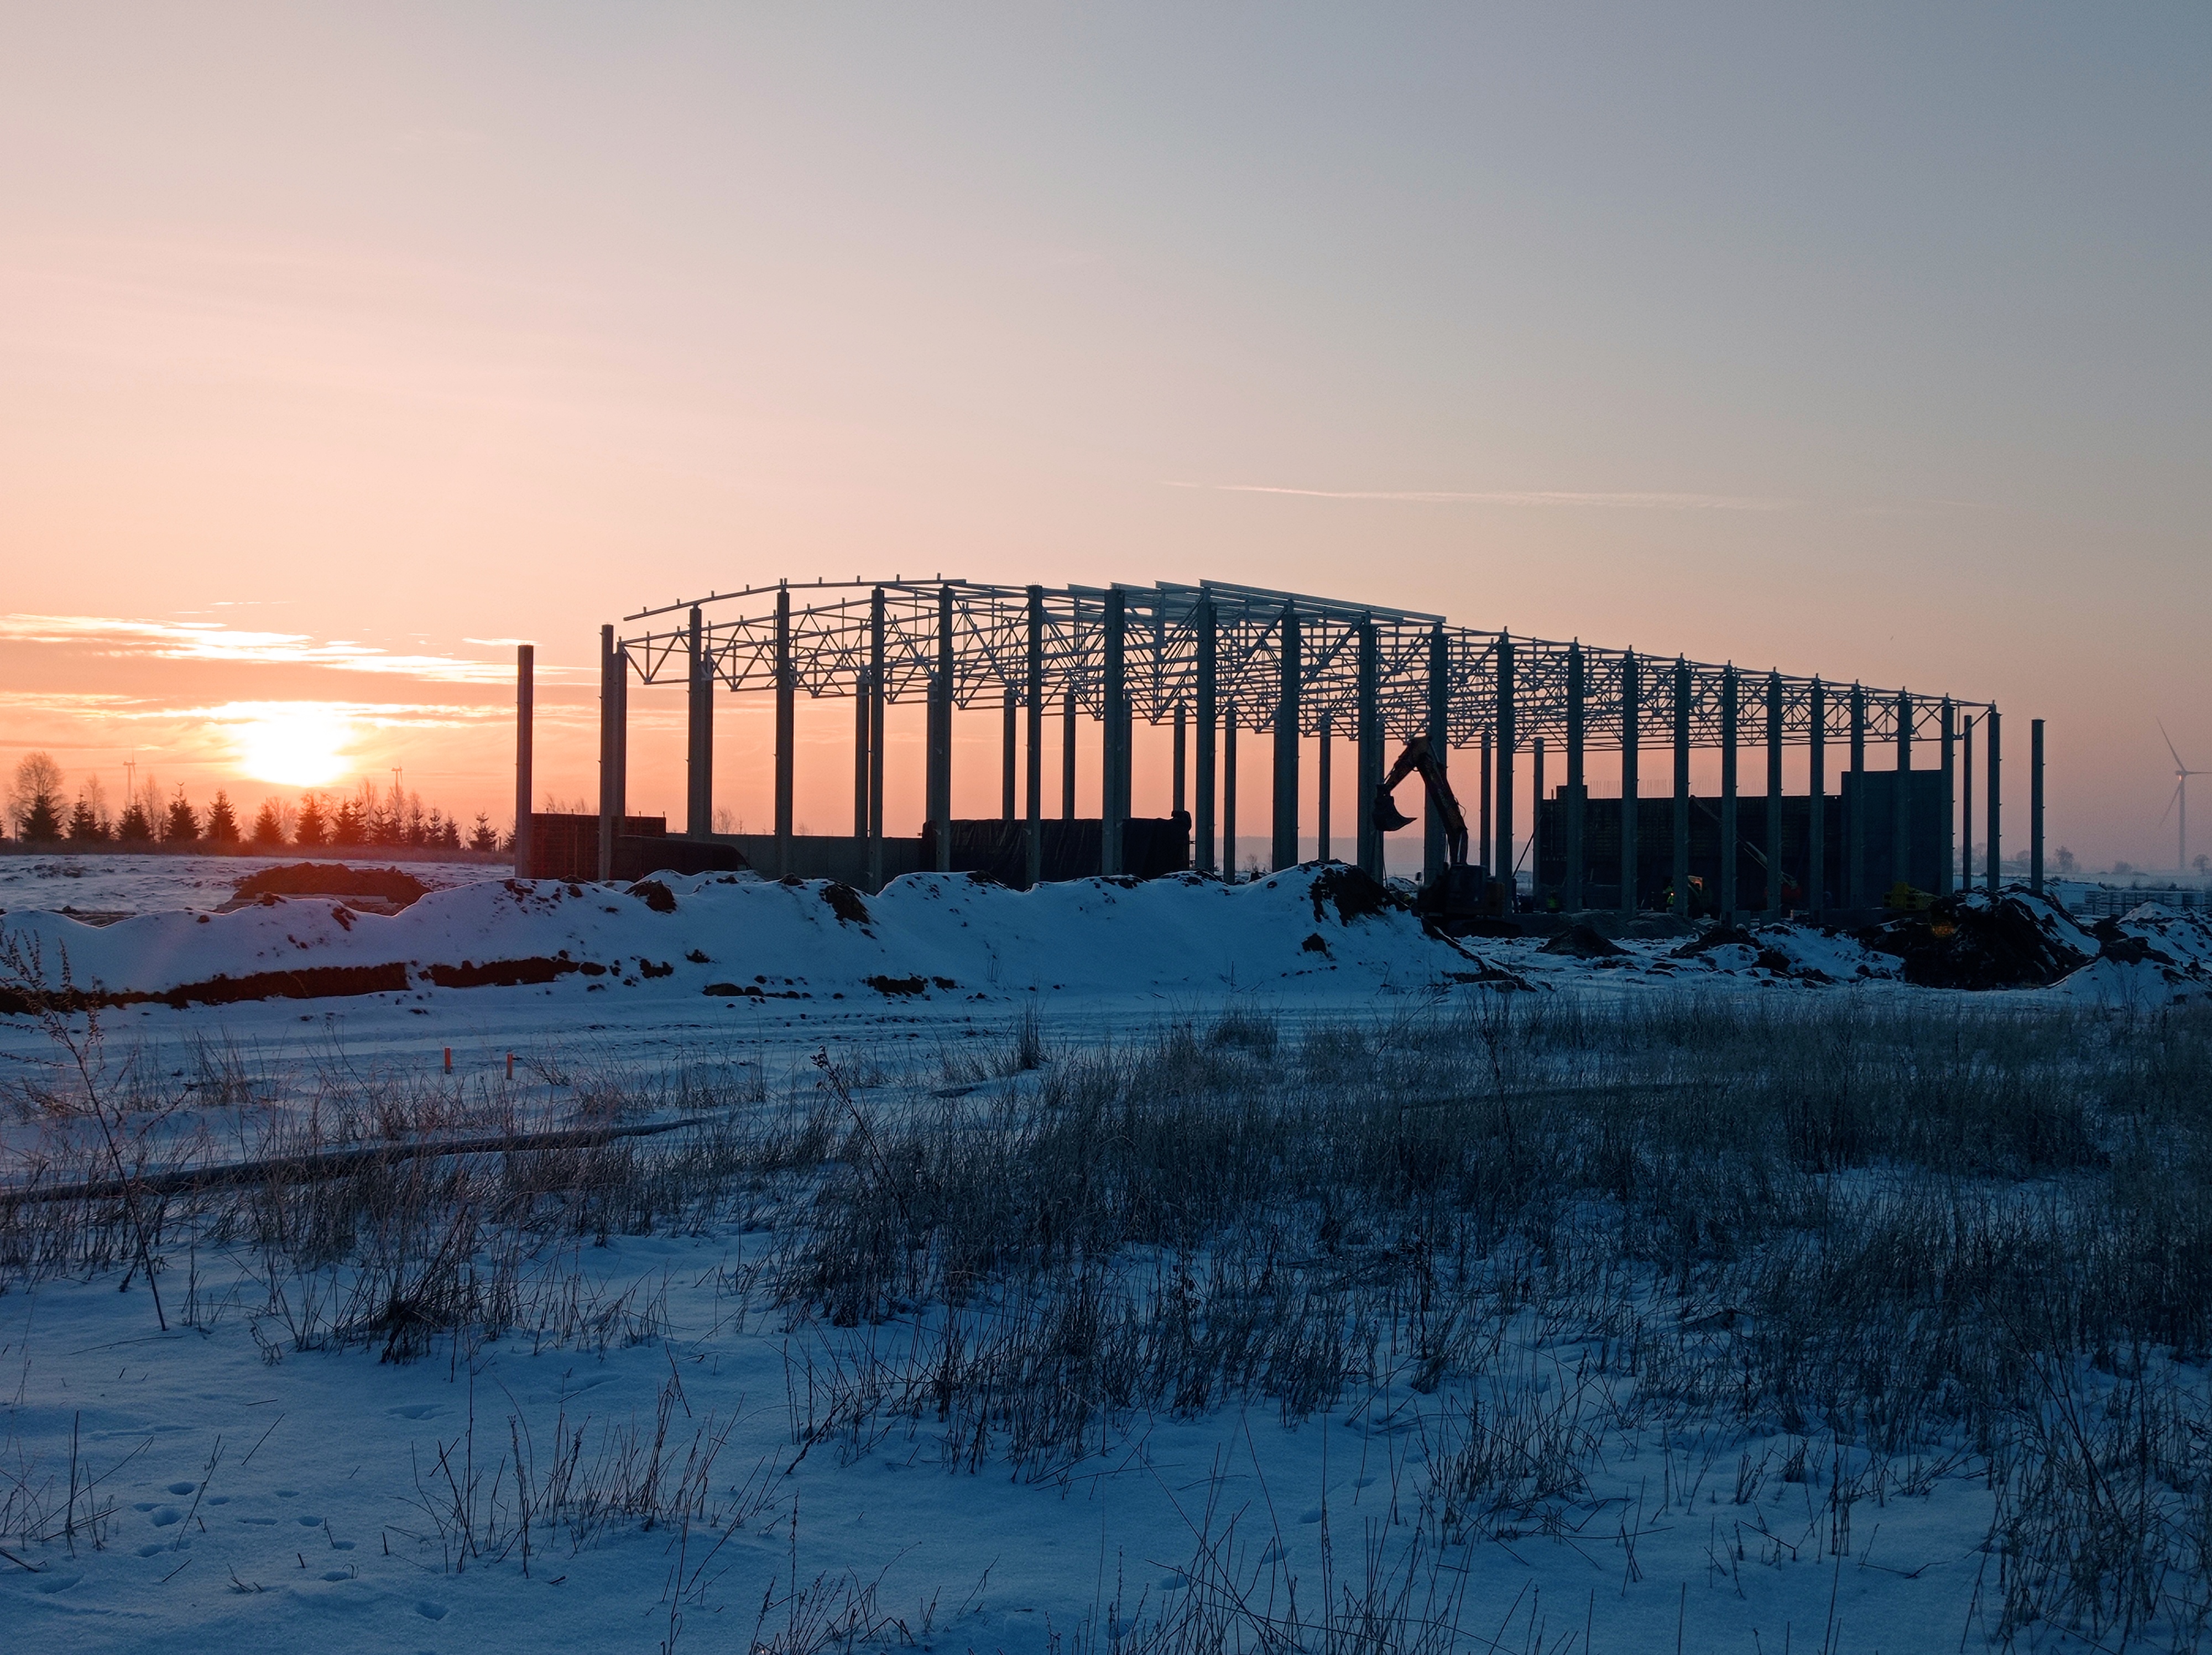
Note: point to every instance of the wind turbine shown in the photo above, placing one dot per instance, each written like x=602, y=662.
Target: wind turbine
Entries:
x=2181, y=774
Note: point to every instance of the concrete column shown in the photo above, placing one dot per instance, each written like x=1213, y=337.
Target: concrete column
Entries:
x=1067, y=718
x=699, y=805
x=1483, y=813
x=1681, y=874
x=1631, y=736
x=2035, y=805
x=1209, y=714
x=1967, y=806
x=1571, y=897
x=1009, y=750
x=1033, y=856
x=1900, y=827
x=1508, y=738
x=786, y=683
x=1229, y=789
x=877, y=692
x=1949, y=864
x=1774, y=795
x=1536, y=822
x=1178, y=798
x=1729, y=696
x=1433, y=853
x=940, y=785
x=1816, y=844
x=1320, y=797
x=608, y=825
x=525, y=693
x=861, y=757
x=1993, y=744
x=1287, y=710
x=1369, y=736
x=1854, y=876
x=1113, y=804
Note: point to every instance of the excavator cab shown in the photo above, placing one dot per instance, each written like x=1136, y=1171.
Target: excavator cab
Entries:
x=1459, y=899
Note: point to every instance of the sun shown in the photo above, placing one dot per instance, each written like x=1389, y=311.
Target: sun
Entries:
x=296, y=746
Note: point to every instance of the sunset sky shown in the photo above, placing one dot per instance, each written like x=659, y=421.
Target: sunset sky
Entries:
x=342, y=347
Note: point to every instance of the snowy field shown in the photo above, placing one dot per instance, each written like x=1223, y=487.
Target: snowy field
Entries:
x=1108, y=1267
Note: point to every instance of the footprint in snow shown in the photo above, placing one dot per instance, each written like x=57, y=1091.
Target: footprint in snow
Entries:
x=413, y=1411
x=337, y=1574
x=166, y=1515
x=311, y=1523
x=56, y=1583
x=1311, y=1514
x=182, y=1488
x=430, y=1611
x=154, y=1549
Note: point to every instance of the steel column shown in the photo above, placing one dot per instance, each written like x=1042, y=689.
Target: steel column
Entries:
x=1631, y=736
x=1728, y=794
x=1854, y=815
x=1439, y=726
x=860, y=756
x=1033, y=845
x=1573, y=896
x=1681, y=905
x=787, y=686
x=1178, y=801
x=1286, y=825
x=1114, y=769
x=1009, y=752
x=607, y=824
x=1816, y=842
x=1774, y=795
x=1209, y=714
x=1506, y=738
x=699, y=795
x=875, y=698
x=1900, y=827
x=1369, y=739
x=939, y=779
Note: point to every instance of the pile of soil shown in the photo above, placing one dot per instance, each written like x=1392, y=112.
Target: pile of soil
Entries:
x=383, y=884
x=1966, y=942
x=1721, y=936
x=1355, y=893
x=1582, y=942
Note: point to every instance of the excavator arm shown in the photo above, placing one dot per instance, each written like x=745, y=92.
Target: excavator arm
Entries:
x=1388, y=818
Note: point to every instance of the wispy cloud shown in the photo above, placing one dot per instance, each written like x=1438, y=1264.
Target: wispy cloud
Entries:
x=1632, y=502
x=211, y=640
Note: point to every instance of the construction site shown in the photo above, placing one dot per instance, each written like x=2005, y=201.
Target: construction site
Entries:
x=1545, y=777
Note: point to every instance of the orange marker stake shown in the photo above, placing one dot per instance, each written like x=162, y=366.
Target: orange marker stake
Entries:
x=510, y=1066
x=449, y=1060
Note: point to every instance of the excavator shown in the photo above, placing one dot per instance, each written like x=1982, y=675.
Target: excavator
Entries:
x=1460, y=893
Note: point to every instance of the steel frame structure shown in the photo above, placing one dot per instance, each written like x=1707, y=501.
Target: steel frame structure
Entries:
x=1230, y=657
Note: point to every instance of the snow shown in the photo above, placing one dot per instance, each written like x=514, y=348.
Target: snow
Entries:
x=260, y=1505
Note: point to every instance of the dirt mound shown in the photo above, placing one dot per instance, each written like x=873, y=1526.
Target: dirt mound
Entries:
x=1581, y=941
x=1969, y=942
x=1725, y=936
x=1356, y=893
x=845, y=903
x=655, y=895
x=386, y=885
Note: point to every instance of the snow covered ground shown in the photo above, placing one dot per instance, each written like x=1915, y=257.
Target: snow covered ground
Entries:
x=218, y=1484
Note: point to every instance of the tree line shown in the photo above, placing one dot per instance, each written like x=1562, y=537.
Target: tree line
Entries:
x=39, y=811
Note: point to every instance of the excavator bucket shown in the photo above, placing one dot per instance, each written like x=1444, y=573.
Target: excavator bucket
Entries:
x=1388, y=818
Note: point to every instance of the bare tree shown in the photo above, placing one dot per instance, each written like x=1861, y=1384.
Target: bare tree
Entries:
x=35, y=797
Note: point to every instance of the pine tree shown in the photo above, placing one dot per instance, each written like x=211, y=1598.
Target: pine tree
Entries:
x=183, y=825
x=313, y=829
x=268, y=825
x=85, y=825
x=135, y=828
x=346, y=828
x=449, y=835
x=483, y=836
x=222, y=822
